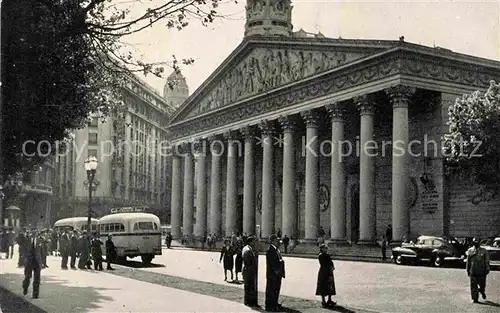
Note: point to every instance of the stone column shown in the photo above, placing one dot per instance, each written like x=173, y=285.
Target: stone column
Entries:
x=400, y=97
x=289, y=203
x=200, y=149
x=176, y=195
x=338, y=176
x=249, y=181
x=268, y=191
x=312, y=217
x=187, y=217
x=231, y=181
x=367, y=213
x=216, y=149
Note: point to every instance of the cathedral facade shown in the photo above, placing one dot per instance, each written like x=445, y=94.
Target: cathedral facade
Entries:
x=299, y=133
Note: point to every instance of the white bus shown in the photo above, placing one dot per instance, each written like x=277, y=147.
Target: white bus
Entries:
x=76, y=223
x=134, y=234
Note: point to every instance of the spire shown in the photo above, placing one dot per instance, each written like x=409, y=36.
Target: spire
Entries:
x=268, y=18
x=176, y=90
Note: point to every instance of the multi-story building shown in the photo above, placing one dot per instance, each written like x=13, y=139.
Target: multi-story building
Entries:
x=133, y=166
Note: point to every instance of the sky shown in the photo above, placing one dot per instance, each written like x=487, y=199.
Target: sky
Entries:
x=470, y=27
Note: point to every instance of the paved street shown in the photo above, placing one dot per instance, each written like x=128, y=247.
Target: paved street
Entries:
x=192, y=281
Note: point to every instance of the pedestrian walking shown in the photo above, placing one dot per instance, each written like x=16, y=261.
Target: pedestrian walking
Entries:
x=73, y=249
x=84, y=250
x=478, y=267
x=275, y=272
x=168, y=240
x=97, y=252
x=64, y=249
x=286, y=243
x=33, y=264
x=250, y=273
x=238, y=262
x=325, y=286
x=12, y=242
x=226, y=254
x=23, y=243
x=110, y=252
x=388, y=234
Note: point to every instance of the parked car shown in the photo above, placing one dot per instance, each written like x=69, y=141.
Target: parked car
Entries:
x=493, y=246
x=436, y=250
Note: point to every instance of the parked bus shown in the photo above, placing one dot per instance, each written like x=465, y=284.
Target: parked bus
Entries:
x=134, y=234
x=76, y=223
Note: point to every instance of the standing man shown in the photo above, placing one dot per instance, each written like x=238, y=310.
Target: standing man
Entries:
x=84, y=249
x=478, y=267
x=388, y=234
x=33, y=264
x=275, y=273
x=22, y=241
x=286, y=242
x=110, y=252
x=250, y=273
x=73, y=249
x=97, y=252
x=12, y=242
x=64, y=249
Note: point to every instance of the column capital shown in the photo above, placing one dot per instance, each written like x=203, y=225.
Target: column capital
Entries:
x=336, y=111
x=365, y=104
x=232, y=135
x=184, y=148
x=216, y=144
x=249, y=132
x=400, y=95
x=268, y=128
x=200, y=147
x=311, y=117
x=288, y=123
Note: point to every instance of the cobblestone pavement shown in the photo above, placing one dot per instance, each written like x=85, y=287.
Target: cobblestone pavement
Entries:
x=360, y=286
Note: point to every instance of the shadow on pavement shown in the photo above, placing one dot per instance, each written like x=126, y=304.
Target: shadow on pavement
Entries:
x=11, y=303
x=490, y=303
x=139, y=264
x=56, y=295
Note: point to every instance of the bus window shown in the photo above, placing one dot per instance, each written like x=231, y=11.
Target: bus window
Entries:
x=155, y=227
x=144, y=226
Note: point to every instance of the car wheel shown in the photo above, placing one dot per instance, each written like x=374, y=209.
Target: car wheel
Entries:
x=438, y=261
x=398, y=260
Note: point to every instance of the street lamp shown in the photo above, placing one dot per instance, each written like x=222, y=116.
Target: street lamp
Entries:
x=11, y=189
x=90, y=167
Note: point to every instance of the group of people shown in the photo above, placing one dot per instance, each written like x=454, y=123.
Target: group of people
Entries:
x=36, y=245
x=246, y=261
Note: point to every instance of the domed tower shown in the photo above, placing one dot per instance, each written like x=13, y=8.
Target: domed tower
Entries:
x=176, y=90
x=269, y=18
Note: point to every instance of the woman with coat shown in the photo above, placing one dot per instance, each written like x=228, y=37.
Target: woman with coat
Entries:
x=238, y=264
x=326, y=282
x=227, y=255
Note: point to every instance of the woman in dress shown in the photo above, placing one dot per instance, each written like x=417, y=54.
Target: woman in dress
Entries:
x=326, y=282
x=227, y=255
x=239, y=258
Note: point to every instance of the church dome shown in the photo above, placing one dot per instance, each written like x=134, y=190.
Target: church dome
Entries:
x=268, y=18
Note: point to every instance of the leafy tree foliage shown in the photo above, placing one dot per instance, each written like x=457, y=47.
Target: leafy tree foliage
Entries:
x=472, y=145
x=63, y=60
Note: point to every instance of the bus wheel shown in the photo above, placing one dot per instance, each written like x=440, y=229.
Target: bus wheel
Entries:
x=121, y=260
x=146, y=259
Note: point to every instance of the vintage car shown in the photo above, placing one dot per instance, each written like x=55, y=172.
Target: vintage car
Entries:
x=435, y=250
x=493, y=246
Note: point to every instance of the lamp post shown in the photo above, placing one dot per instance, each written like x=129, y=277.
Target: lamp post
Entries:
x=90, y=167
x=11, y=189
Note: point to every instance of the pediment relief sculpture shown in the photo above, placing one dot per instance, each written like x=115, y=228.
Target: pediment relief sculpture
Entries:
x=265, y=69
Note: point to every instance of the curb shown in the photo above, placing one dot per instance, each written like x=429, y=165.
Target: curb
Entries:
x=305, y=256
x=13, y=303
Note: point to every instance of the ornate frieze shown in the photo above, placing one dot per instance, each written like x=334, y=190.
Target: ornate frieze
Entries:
x=264, y=69
x=400, y=95
x=333, y=82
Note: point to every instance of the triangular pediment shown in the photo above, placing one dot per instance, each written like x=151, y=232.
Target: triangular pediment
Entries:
x=259, y=66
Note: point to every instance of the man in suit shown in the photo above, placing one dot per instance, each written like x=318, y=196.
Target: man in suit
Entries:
x=250, y=273
x=33, y=263
x=64, y=245
x=478, y=267
x=73, y=249
x=275, y=273
x=110, y=252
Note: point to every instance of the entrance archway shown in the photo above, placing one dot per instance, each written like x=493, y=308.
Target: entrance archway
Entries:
x=354, y=214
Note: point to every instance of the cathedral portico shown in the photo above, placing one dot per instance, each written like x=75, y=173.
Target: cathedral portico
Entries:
x=275, y=104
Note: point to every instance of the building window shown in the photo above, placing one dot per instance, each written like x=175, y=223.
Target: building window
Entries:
x=92, y=152
x=92, y=138
x=94, y=123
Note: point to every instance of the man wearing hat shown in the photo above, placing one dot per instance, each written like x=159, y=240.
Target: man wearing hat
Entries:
x=33, y=263
x=275, y=273
x=478, y=267
x=250, y=272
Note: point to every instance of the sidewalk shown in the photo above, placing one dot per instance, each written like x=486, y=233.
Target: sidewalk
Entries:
x=99, y=292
